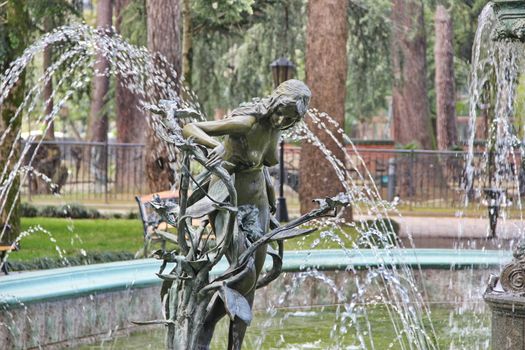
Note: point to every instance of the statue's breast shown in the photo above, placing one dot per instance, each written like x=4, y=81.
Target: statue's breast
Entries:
x=249, y=150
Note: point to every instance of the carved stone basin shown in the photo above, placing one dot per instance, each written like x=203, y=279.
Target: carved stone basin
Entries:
x=511, y=20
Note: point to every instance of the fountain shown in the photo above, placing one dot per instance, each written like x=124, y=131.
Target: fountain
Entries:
x=503, y=23
x=194, y=295
x=392, y=282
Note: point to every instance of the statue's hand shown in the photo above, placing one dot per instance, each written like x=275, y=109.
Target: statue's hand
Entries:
x=273, y=208
x=187, y=113
x=215, y=156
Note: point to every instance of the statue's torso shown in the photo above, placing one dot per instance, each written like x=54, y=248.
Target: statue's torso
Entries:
x=253, y=150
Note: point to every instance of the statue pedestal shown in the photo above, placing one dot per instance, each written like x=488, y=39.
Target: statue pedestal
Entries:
x=508, y=320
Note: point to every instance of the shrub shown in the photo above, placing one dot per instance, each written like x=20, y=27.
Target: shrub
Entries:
x=49, y=211
x=132, y=215
x=28, y=210
x=74, y=211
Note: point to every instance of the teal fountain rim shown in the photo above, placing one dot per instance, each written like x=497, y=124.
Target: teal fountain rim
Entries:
x=17, y=290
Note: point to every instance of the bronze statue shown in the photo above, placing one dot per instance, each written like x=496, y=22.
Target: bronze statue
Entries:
x=234, y=200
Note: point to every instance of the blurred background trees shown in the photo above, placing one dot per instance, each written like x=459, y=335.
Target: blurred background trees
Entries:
x=405, y=71
x=224, y=49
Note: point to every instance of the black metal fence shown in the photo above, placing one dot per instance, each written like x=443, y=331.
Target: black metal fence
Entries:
x=413, y=178
x=418, y=178
x=112, y=172
x=84, y=171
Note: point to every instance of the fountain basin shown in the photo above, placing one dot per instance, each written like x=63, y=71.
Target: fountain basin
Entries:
x=508, y=320
x=64, y=283
x=67, y=306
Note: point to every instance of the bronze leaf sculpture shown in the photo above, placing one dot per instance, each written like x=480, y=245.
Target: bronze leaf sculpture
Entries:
x=233, y=200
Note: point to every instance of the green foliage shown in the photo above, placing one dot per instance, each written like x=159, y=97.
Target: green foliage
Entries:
x=74, y=211
x=14, y=26
x=348, y=235
x=134, y=23
x=117, y=216
x=28, y=210
x=49, y=14
x=380, y=233
x=230, y=68
x=219, y=13
x=234, y=41
x=132, y=215
x=462, y=108
x=369, y=74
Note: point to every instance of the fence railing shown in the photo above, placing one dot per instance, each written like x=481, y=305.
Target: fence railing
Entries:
x=417, y=178
x=111, y=172
x=84, y=171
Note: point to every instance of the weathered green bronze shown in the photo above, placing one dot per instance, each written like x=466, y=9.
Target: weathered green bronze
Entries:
x=506, y=297
x=233, y=200
x=511, y=20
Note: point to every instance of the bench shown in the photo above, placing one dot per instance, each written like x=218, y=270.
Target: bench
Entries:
x=6, y=248
x=152, y=223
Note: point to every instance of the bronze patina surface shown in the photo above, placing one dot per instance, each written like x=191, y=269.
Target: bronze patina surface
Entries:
x=511, y=20
x=233, y=200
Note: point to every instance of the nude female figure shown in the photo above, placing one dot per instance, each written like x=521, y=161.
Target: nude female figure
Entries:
x=251, y=135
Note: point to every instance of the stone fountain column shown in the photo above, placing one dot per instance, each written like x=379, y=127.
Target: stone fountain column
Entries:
x=506, y=294
x=506, y=297
x=511, y=20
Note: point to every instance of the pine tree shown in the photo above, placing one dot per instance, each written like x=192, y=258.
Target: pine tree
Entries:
x=163, y=38
x=410, y=106
x=326, y=68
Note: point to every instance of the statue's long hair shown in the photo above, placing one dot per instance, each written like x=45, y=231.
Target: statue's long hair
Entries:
x=290, y=92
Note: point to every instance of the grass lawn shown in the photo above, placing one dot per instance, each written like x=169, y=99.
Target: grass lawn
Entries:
x=71, y=236
x=99, y=235
x=78, y=237
x=314, y=240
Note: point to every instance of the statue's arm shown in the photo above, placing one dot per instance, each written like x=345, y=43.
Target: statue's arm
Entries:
x=203, y=132
x=270, y=190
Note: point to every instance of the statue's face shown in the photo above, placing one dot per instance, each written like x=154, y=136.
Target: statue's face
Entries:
x=285, y=117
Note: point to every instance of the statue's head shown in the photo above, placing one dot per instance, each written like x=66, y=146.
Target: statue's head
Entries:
x=288, y=103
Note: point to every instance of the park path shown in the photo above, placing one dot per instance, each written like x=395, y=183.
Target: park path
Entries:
x=455, y=227
x=449, y=232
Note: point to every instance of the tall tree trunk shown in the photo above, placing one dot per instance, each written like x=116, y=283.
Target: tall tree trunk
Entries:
x=326, y=68
x=98, y=119
x=163, y=38
x=10, y=214
x=14, y=25
x=131, y=123
x=445, y=87
x=410, y=106
x=48, y=88
x=187, y=42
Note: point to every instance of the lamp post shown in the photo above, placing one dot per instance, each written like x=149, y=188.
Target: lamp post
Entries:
x=282, y=70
